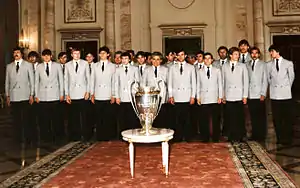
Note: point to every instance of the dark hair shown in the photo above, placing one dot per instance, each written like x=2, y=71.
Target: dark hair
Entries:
x=180, y=50
x=255, y=48
x=19, y=49
x=126, y=54
x=170, y=52
x=223, y=48
x=147, y=54
x=86, y=54
x=208, y=53
x=157, y=54
x=131, y=52
x=275, y=48
x=61, y=54
x=244, y=41
x=104, y=49
x=233, y=49
x=33, y=54
x=140, y=53
x=46, y=52
x=118, y=52
x=200, y=52
x=75, y=49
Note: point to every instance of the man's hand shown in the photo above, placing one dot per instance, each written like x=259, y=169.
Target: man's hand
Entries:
x=199, y=101
x=118, y=101
x=8, y=101
x=112, y=100
x=171, y=99
x=31, y=100
x=93, y=99
x=262, y=98
x=86, y=96
x=192, y=100
x=61, y=98
x=37, y=100
x=219, y=100
x=244, y=100
x=224, y=101
x=68, y=99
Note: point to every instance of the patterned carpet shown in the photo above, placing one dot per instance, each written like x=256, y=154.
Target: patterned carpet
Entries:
x=191, y=165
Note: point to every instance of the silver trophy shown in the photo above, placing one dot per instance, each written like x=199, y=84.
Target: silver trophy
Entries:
x=146, y=102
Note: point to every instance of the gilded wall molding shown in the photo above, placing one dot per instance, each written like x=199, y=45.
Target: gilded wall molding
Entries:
x=182, y=29
x=286, y=7
x=284, y=27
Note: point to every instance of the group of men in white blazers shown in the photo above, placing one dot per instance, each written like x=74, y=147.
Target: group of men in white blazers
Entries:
x=212, y=89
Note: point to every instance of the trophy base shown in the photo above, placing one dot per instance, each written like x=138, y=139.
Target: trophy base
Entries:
x=152, y=131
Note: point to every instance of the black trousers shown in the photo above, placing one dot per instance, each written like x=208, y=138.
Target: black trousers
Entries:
x=62, y=116
x=196, y=123
x=258, y=117
x=48, y=120
x=20, y=112
x=33, y=124
x=224, y=120
x=127, y=117
x=182, y=127
x=105, y=128
x=170, y=114
x=283, y=119
x=211, y=113
x=161, y=121
x=91, y=118
x=77, y=128
x=236, y=120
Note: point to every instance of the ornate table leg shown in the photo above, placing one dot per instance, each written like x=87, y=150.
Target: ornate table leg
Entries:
x=163, y=155
x=131, y=158
x=166, y=155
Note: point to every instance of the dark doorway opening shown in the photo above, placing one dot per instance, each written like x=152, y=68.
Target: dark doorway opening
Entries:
x=290, y=48
x=191, y=44
x=84, y=47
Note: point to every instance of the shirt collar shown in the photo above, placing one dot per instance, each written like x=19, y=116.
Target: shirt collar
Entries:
x=20, y=61
x=50, y=62
x=143, y=65
x=183, y=63
x=103, y=61
x=74, y=61
x=279, y=59
x=233, y=62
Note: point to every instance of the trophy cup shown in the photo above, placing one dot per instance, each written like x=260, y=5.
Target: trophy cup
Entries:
x=146, y=102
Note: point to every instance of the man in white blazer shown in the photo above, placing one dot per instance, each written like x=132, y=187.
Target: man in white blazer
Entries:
x=102, y=92
x=236, y=86
x=182, y=93
x=19, y=91
x=209, y=96
x=281, y=77
x=244, y=51
x=125, y=75
x=141, y=62
x=153, y=74
x=77, y=88
x=49, y=91
x=258, y=85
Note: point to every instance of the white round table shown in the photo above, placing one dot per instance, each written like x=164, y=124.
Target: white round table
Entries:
x=160, y=135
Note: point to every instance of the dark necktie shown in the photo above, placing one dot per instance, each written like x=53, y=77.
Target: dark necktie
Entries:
x=277, y=65
x=232, y=67
x=208, y=73
x=155, y=72
x=223, y=62
x=63, y=69
x=243, y=58
x=181, y=68
x=90, y=67
x=76, y=68
x=253, y=64
x=47, y=69
x=102, y=68
x=126, y=70
x=141, y=70
x=200, y=66
x=17, y=67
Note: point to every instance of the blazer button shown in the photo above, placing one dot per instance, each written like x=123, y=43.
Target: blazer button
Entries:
x=45, y=86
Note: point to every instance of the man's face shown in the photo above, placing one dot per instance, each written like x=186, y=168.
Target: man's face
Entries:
x=254, y=54
x=208, y=60
x=32, y=59
x=149, y=60
x=63, y=59
x=118, y=59
x=222, y=54
x=76, y=55
x=17, y=55
x=125, y=60
x=274, y=54
x=244, y=48
x=46, y=58
x=89, y=58
x=141, y=59
x=181, y=56
x=103, y=55
x=156, y=61
x=235, y=56
x=170, y=57
x=199, y=58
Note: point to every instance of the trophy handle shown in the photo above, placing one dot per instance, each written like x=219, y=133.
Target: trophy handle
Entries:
x=132, y=97
x=162, y=94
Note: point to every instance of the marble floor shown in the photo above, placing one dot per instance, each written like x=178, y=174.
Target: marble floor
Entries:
x=288, y=157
